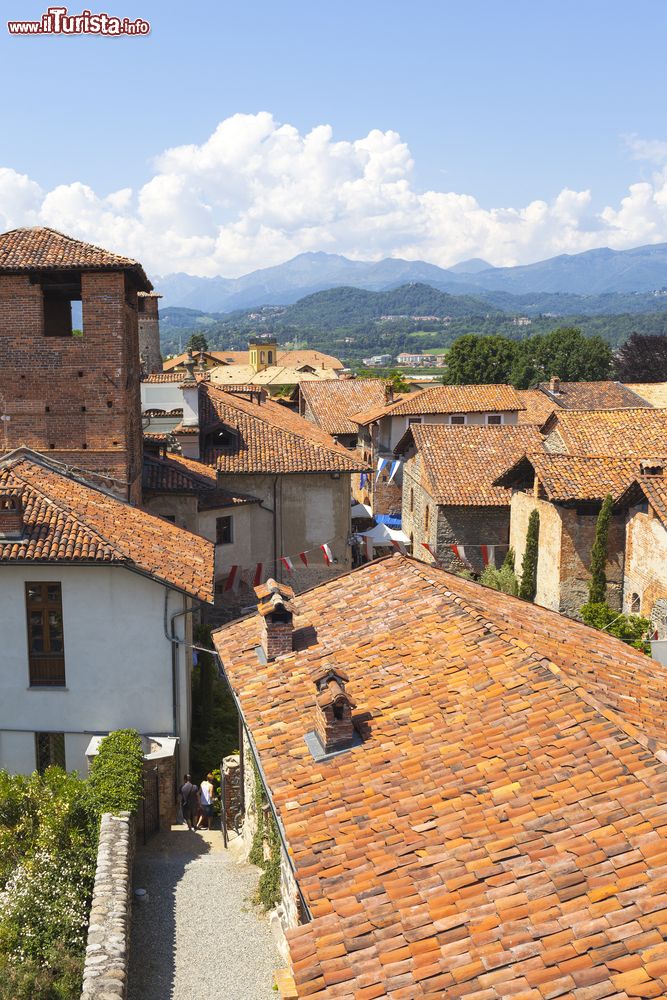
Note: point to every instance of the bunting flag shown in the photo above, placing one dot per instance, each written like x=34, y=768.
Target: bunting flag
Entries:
x=394, y=469
x=398, y=545
x=259, y=573
x=429, y=548
x=303, y=556
x=287, y=563
x=363, y=479
x=460, y=553
x=232, y=581
x=328, y=557
x=488, y=554
x=381, y=464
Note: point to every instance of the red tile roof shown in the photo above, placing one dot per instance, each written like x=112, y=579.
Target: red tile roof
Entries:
x=332, y=403
x=177, y=377
x=41, y=249
x=605, y=395
x=459, y=464
x=573, y=477
x=448, y=399
x=176, y=474
x=654, y=490
x=628, y=432
x=285, y=359
x=68, y=521
x=538, y=407
x=269, y=438
x=502, y=829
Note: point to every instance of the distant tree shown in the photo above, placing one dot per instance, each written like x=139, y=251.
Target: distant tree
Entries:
x=565, y=352
x=482, y=360
x=597, y=590
x=196, y=343
x=632, y=629
x=643, y=358
x=398, y=381
x=503, y=579
x=528, y=585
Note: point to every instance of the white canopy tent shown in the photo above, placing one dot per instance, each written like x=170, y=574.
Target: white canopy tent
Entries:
x=382, y=536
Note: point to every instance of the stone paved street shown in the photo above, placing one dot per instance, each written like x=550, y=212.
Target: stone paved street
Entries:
x=198, y=935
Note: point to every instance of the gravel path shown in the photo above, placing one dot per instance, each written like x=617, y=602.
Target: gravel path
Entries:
x=198, y=936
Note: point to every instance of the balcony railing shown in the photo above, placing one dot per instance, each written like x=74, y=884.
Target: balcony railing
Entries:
x=47, y=671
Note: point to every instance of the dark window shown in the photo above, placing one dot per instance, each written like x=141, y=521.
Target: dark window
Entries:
x=62, y=306
x=457, y=418
x=635, y=604
x=414, y=420
x=426, y=517
x=412, y=499
x=494, y=418
x=223, y=531
x=270, y=357
x=170, y=517
x=49, y=750
x=46, y=650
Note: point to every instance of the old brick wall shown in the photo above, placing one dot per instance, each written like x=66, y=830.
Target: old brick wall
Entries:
x=577, y=537
x=149, y=333
x=74, y=398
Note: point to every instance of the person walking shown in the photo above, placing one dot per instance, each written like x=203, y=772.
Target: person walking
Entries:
x=190, y=802
x=206, y=801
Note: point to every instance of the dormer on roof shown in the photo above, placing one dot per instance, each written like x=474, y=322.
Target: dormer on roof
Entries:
x=11, y=516
x=334, y=727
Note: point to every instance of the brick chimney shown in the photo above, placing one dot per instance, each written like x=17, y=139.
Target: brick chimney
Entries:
x=389, y=393
x=11, y=517
x=277, y=612
x=554, y=384
x=333, y=712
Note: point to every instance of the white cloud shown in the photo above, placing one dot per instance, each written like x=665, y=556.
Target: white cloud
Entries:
x=257, y=192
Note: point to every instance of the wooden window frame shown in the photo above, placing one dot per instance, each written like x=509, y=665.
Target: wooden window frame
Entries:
x=46, y=668
x=218, y=530
x=51, y=746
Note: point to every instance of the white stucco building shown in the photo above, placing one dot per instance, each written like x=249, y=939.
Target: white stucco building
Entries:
x=96, y=606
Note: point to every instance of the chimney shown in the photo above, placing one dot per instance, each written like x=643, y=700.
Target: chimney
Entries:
x=201, y=365
x=187, y=432
x=277, y=611
x=11, y=517
x=333, y=713
x=389, y=393
x=554, y=384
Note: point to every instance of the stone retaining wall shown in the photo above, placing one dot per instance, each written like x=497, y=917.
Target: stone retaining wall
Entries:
x=108, y=949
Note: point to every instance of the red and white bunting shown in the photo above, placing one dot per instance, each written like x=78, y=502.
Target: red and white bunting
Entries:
x=429, y=548
x=259, y=574
x=232, y=581
x=398, y=545
x=287, y=563
x=326, y=552
x=303, y=556
x=488, y=554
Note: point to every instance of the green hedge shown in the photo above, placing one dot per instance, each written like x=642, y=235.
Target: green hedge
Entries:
x=116, y=772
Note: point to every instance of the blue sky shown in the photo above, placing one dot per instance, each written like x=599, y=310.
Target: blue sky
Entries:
x=508, y=104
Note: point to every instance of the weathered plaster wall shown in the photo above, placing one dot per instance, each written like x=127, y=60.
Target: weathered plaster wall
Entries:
x=548, y=564
x=646, y=568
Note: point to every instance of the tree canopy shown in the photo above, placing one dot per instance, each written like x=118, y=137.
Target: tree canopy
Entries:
x=643, y=358
x=565, y=352
x=197, y=342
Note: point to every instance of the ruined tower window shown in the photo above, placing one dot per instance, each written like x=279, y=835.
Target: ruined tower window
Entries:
x=61, y=298
x=635, y=604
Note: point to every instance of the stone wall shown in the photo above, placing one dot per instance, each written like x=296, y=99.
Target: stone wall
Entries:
x=471, y=527
x=645, y=572
x=107, y=952
x=548, y=562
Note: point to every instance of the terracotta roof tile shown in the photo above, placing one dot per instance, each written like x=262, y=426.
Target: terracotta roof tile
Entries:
x=501, y=829
x=654, y=490
x=605, y=395
x=626, y=432
x=538, y=407
x=269, y=438
x=177, y=377
x=573, y=477
x=332, y=403
x=68, y=521
x=41, y=249
x=459, y=465
x=285, y=359
x=448, y=399
x=176, y=474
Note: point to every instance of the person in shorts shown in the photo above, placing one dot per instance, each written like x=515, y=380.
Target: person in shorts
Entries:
x=206, y=803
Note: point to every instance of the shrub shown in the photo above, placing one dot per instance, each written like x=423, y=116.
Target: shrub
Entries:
x=116, y=772
x=631, y=629
x=503, y=579
x=597, y=590
x=528, y=585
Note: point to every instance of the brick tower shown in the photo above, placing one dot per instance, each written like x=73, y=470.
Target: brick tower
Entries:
x=149, y=332
x=72, y=394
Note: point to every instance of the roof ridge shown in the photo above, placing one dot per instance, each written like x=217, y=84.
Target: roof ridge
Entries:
x=70, y=239
x=626, y=727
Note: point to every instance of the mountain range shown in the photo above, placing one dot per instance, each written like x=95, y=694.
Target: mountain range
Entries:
x=592, y=273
